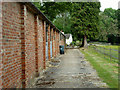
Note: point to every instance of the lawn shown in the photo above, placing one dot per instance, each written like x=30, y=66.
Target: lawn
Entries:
x=110, y=46
x=110, y=51
x=106, y=69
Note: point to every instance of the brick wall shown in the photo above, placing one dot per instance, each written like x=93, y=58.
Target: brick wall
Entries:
x=44, y=43
x=56, y=42
x=53, y=43
x=30, y=65
x=58, y=51
x=40, y=45
x=49, y=42
x=1, y=44
x=36, y=23
x=11, y=45
x=23, y=44
x=52, y=38
x=62, y=42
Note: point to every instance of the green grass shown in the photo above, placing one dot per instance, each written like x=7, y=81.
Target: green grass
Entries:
x=106, y=69
x=110, y=46
x=106, y=49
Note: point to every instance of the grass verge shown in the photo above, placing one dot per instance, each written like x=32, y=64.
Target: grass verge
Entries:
x=107, y=70
x=109, y=51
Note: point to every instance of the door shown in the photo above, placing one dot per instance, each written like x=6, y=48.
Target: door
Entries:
x=51, y=49
x=46, y=50
x=46, y=43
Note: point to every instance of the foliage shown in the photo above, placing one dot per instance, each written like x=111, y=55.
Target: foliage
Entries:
x=118, y=18
x=73, y=43
x=58, y=13
x=63, y=22
x=52, y=9
x=110, y=13
x=107, y=24
x=85, y=17
x=78, y=43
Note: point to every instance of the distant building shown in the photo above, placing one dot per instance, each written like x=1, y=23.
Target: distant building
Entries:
x=69, y=39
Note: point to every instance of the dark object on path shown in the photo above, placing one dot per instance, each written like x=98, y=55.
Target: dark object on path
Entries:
x=61, y=49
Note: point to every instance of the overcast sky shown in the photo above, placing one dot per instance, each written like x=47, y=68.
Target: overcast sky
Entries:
x=109, y=4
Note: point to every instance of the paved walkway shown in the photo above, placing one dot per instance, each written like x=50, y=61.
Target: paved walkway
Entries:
x=69, y=71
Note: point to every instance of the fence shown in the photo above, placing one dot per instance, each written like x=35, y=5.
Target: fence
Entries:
x=112, y=54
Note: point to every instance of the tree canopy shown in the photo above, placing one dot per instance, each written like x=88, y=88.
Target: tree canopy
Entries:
x=108, y=24
x=52, y=9
x=82, y=19
x=85, y=18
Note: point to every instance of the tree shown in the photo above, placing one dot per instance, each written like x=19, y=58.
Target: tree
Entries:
x=108, y=24
x=85, y=18
x=58, y=12
x=52, y=9
x=63, y=22
x=110, y=13
x=118, y=18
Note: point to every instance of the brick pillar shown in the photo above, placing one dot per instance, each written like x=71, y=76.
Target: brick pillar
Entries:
x=55, y=44
x=44, y=44
x=1, y=49
x=49, y=42
x=23, y=27
x=58, y=42
x=65, y=43
x=52, y=41
x=36, y=44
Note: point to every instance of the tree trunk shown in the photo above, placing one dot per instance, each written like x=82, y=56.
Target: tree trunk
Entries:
x=85, y=42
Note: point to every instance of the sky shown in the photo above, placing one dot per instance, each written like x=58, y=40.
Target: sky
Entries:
x=109, y=4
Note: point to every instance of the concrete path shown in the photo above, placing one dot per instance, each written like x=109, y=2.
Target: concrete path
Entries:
x=70, y=70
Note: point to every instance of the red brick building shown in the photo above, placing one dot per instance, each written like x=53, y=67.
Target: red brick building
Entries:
x=25, y=34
